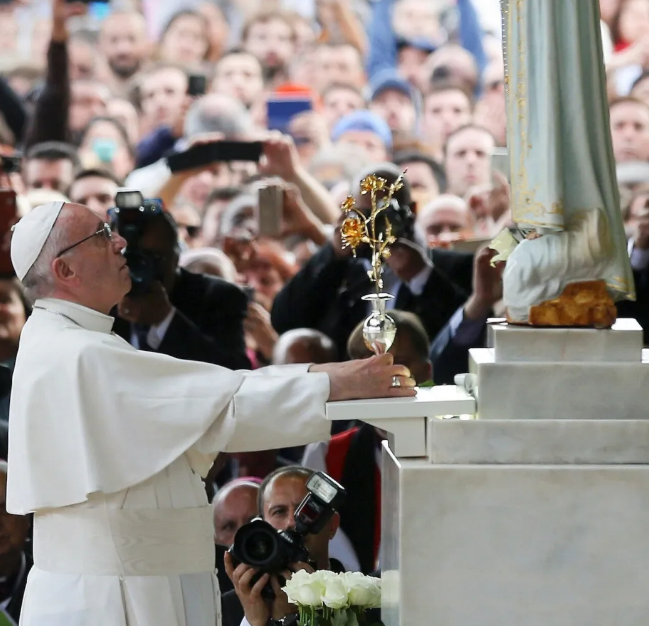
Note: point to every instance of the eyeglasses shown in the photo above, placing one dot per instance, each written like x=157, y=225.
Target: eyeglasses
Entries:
x=105, y=231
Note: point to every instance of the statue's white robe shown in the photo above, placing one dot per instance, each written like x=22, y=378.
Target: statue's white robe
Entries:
x=106, y=442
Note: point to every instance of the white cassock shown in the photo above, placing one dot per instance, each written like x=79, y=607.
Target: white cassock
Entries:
x=106, y=448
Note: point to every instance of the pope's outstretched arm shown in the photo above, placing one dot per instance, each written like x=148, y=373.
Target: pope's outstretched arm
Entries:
x=110, y=417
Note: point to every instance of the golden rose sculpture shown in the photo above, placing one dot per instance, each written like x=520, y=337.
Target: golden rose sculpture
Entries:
x=360, y=228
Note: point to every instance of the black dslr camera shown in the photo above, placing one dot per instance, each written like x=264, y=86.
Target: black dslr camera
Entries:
x=129, y=217
x=401, y=219
x=259, y=545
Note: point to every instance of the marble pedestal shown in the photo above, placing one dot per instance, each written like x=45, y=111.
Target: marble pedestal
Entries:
x=548, y=373
x=515, y=545
x=535, y=512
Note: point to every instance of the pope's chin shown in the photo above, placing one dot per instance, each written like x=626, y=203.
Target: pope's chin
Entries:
x=126, y=280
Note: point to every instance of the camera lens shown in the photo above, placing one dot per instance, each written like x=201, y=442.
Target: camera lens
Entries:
x=259, y=546
x=144, y=270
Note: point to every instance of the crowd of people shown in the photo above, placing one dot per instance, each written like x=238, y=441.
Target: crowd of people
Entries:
x=95, y=97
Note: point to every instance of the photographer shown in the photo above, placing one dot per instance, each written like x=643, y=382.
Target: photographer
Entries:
x=280, y=494
x=188, y=316
x=326, y=293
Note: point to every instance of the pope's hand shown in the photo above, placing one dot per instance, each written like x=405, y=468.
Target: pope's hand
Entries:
x=367, y=378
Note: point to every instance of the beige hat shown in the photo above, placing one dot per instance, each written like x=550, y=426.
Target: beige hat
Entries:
x=30, y=235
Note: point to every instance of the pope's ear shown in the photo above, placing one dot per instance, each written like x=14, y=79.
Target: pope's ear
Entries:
x=61, y=271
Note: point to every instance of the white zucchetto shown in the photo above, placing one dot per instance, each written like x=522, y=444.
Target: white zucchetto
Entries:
x=30, y=234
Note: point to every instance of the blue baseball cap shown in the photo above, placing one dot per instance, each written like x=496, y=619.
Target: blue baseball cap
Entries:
x=419, y=43
x=392, y=80
x=363, y=121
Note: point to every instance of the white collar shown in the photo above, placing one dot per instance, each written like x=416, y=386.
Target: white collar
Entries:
x=81, y=315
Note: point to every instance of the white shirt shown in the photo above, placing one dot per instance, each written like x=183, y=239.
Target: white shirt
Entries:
x=155, y=334
x=639, y=258
x=392, y=284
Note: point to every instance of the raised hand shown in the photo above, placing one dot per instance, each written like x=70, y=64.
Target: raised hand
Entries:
x=62, y=11
x=280, y=157
x=487, y=285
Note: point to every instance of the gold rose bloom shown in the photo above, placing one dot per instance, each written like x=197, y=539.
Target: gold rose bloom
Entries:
x=348, y=204
x=373, y=184
x=353, y=232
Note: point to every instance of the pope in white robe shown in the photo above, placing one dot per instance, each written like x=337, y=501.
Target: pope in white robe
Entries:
x=107, y=444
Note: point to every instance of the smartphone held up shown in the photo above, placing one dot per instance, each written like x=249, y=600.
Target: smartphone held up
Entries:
x=197, y=85
x=270, y=211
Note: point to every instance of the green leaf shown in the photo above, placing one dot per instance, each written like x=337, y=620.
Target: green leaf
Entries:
x=427, y=383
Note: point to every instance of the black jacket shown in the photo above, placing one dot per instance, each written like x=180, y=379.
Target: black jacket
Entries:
x=326, y=295
x=231, y=609
x=225, y=584
x=208, y=323
x=14, y=606
x=6, y=375
x=638, y=310
x=448, y=358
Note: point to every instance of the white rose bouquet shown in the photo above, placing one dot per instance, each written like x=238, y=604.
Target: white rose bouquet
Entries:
x=327, y=599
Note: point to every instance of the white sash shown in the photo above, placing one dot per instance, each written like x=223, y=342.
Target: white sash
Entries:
x=118, y=542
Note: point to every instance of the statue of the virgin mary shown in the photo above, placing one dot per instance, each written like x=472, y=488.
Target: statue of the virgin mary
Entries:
x=573, y=262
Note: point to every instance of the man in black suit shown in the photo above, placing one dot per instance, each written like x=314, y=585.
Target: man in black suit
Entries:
x=187, y=316
x=326, y=293
x=6, y=374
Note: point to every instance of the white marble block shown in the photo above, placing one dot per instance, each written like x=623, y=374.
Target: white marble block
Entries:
x=405, y=418
x=621, y=343
x=540, y=442
x=517, y=545
x=536, y=390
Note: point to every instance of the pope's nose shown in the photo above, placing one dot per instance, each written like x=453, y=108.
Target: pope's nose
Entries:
x=119, y=243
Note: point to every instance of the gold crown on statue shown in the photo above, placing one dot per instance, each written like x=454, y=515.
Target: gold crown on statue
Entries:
x=358, y=228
